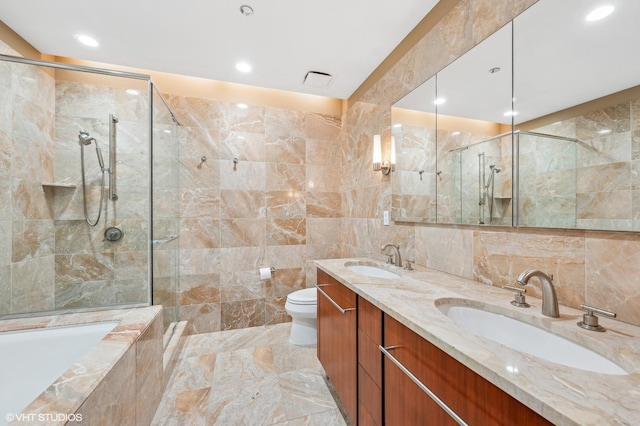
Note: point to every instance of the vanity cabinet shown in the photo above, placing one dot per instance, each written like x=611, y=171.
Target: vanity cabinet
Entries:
x=337, y=339
x=475, y=400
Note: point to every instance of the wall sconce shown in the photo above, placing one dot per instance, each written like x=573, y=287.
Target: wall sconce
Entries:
x=385, y=166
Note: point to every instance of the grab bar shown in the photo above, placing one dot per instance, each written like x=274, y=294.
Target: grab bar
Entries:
x=340, y=308
x=165, y=240
x=421, y=385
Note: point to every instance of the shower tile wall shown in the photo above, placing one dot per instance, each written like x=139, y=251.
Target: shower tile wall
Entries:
x=594, y=182
x=89, y=270
x=591, y=267
x=279, y=206
x=26, y=160
x=50, y=258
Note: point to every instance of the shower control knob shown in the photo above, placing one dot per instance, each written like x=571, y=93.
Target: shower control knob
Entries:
x=113, y=233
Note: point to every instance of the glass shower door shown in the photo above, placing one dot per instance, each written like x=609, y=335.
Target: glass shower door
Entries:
x=165, y=208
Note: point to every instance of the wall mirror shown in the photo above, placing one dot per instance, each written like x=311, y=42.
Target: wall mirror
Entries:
x=453, y=135
x=578, y=123
x=574, y=93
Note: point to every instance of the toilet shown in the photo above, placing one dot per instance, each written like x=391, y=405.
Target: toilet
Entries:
x=302, y=305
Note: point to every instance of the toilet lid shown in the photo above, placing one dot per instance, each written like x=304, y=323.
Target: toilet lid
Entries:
x=307, y=296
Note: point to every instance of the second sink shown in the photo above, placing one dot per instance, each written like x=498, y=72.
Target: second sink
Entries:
x=529, y=339
x=371, y=271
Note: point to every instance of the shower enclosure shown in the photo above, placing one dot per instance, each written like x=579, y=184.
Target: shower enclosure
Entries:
x=475, y=179
x=88, y=177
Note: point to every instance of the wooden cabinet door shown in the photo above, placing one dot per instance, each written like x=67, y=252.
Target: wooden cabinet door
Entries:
x=475, y=400
x=337, y=339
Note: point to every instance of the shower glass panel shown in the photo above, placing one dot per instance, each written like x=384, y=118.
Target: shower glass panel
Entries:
x=547, y=180
x=165, y=212
x=475, y=185
x=52, y=260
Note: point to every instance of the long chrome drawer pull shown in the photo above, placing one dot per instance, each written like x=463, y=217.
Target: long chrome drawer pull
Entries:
x=421, y=385
x=342, y=311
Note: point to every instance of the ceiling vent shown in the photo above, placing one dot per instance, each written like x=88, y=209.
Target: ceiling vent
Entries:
x=317, y=79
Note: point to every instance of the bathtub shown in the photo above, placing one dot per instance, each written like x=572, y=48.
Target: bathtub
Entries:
x=79, y=367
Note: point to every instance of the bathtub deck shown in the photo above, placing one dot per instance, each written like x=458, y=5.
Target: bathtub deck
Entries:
x=251, y=376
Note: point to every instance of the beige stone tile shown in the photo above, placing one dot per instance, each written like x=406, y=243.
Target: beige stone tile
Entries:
x=304, y=392
x=288, y=357
x=609, y=264
x=286, y=204
x=238, y=204
x=286, y=232
x=186, y=408
x=242, y=314
x=243, y=366
x=286, y=149
x=258, y=402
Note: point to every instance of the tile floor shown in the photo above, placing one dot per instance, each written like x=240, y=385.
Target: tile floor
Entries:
x=251, y=376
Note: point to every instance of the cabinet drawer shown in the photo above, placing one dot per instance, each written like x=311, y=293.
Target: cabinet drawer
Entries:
x=370, y=320
x=369, y=399
x=370, y=357
x=336, y=290
x=473, y=398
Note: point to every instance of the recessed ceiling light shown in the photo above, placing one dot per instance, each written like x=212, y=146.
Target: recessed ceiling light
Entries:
x=600, y=13
x=397, y=125
x=133, y=92
x=455, y=133
x=243, y=106
x=510, y=113
x=87, y=40
x=243, y=67
x=167, y=131
x=439, y=101
x=604, y=131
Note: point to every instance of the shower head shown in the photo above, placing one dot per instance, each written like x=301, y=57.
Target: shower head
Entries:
x=494, y=168
x=85, y=139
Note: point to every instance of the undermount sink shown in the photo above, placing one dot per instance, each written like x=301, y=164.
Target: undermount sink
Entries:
x=371, y=271
x=529, y=339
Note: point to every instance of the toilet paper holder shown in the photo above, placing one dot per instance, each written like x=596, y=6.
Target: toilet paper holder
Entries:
x=265, y=273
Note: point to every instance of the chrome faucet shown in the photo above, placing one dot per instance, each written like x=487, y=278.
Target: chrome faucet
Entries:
x=549, y=298
x=396, y=253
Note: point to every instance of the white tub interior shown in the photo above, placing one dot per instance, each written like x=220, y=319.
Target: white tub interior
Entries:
x=31, y=360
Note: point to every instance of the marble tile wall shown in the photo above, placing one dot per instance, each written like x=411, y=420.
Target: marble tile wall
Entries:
x=27, y=262
x=597, y=268
x=90, y=271
x=590, y=184
x=280, y=205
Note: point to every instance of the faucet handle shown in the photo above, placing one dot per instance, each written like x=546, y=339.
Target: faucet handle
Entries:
x=390, y=259
x=520, y=300
x=408, y=265
x=590, y=320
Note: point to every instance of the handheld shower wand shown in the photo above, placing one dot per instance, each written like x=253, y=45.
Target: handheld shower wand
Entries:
x=85, y=140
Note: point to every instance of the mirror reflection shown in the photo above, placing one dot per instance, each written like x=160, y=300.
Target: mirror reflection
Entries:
x=414, y=131
x=577, y=99
x=573, y=99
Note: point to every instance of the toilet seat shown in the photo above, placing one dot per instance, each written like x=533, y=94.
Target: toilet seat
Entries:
x=307, y=296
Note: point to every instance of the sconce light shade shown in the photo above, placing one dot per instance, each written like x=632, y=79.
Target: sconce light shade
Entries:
x=377, y=153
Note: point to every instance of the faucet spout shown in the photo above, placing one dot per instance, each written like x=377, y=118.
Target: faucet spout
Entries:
x=549, y=298
x=396, y=253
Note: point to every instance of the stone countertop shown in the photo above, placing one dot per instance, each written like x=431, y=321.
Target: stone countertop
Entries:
x=563, y=395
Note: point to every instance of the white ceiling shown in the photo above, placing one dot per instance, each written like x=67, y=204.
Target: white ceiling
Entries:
x=282, y=40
